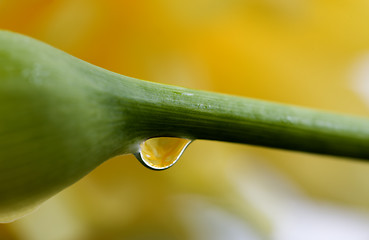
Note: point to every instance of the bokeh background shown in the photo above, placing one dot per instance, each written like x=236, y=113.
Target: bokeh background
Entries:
x=313, y=53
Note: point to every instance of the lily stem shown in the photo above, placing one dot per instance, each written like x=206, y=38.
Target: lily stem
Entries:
x=173, y=111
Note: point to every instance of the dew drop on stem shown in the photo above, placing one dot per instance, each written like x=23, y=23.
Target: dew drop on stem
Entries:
x=160, y=153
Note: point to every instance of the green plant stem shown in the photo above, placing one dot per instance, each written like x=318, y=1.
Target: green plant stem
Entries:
x=162, y=110
x=61, y=117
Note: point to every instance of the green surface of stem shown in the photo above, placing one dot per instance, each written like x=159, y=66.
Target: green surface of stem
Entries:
x=61, y=117
x=203, y=115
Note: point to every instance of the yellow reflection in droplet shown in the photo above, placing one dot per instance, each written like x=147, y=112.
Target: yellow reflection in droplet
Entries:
x=161, y=152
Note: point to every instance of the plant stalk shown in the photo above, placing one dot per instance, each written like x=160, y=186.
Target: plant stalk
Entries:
x=172, y=111
x=61, y=117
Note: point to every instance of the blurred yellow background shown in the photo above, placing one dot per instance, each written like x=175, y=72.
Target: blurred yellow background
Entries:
x=310, y=53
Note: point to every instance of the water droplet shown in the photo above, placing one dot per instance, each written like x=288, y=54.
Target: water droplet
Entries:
x=160, y=153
